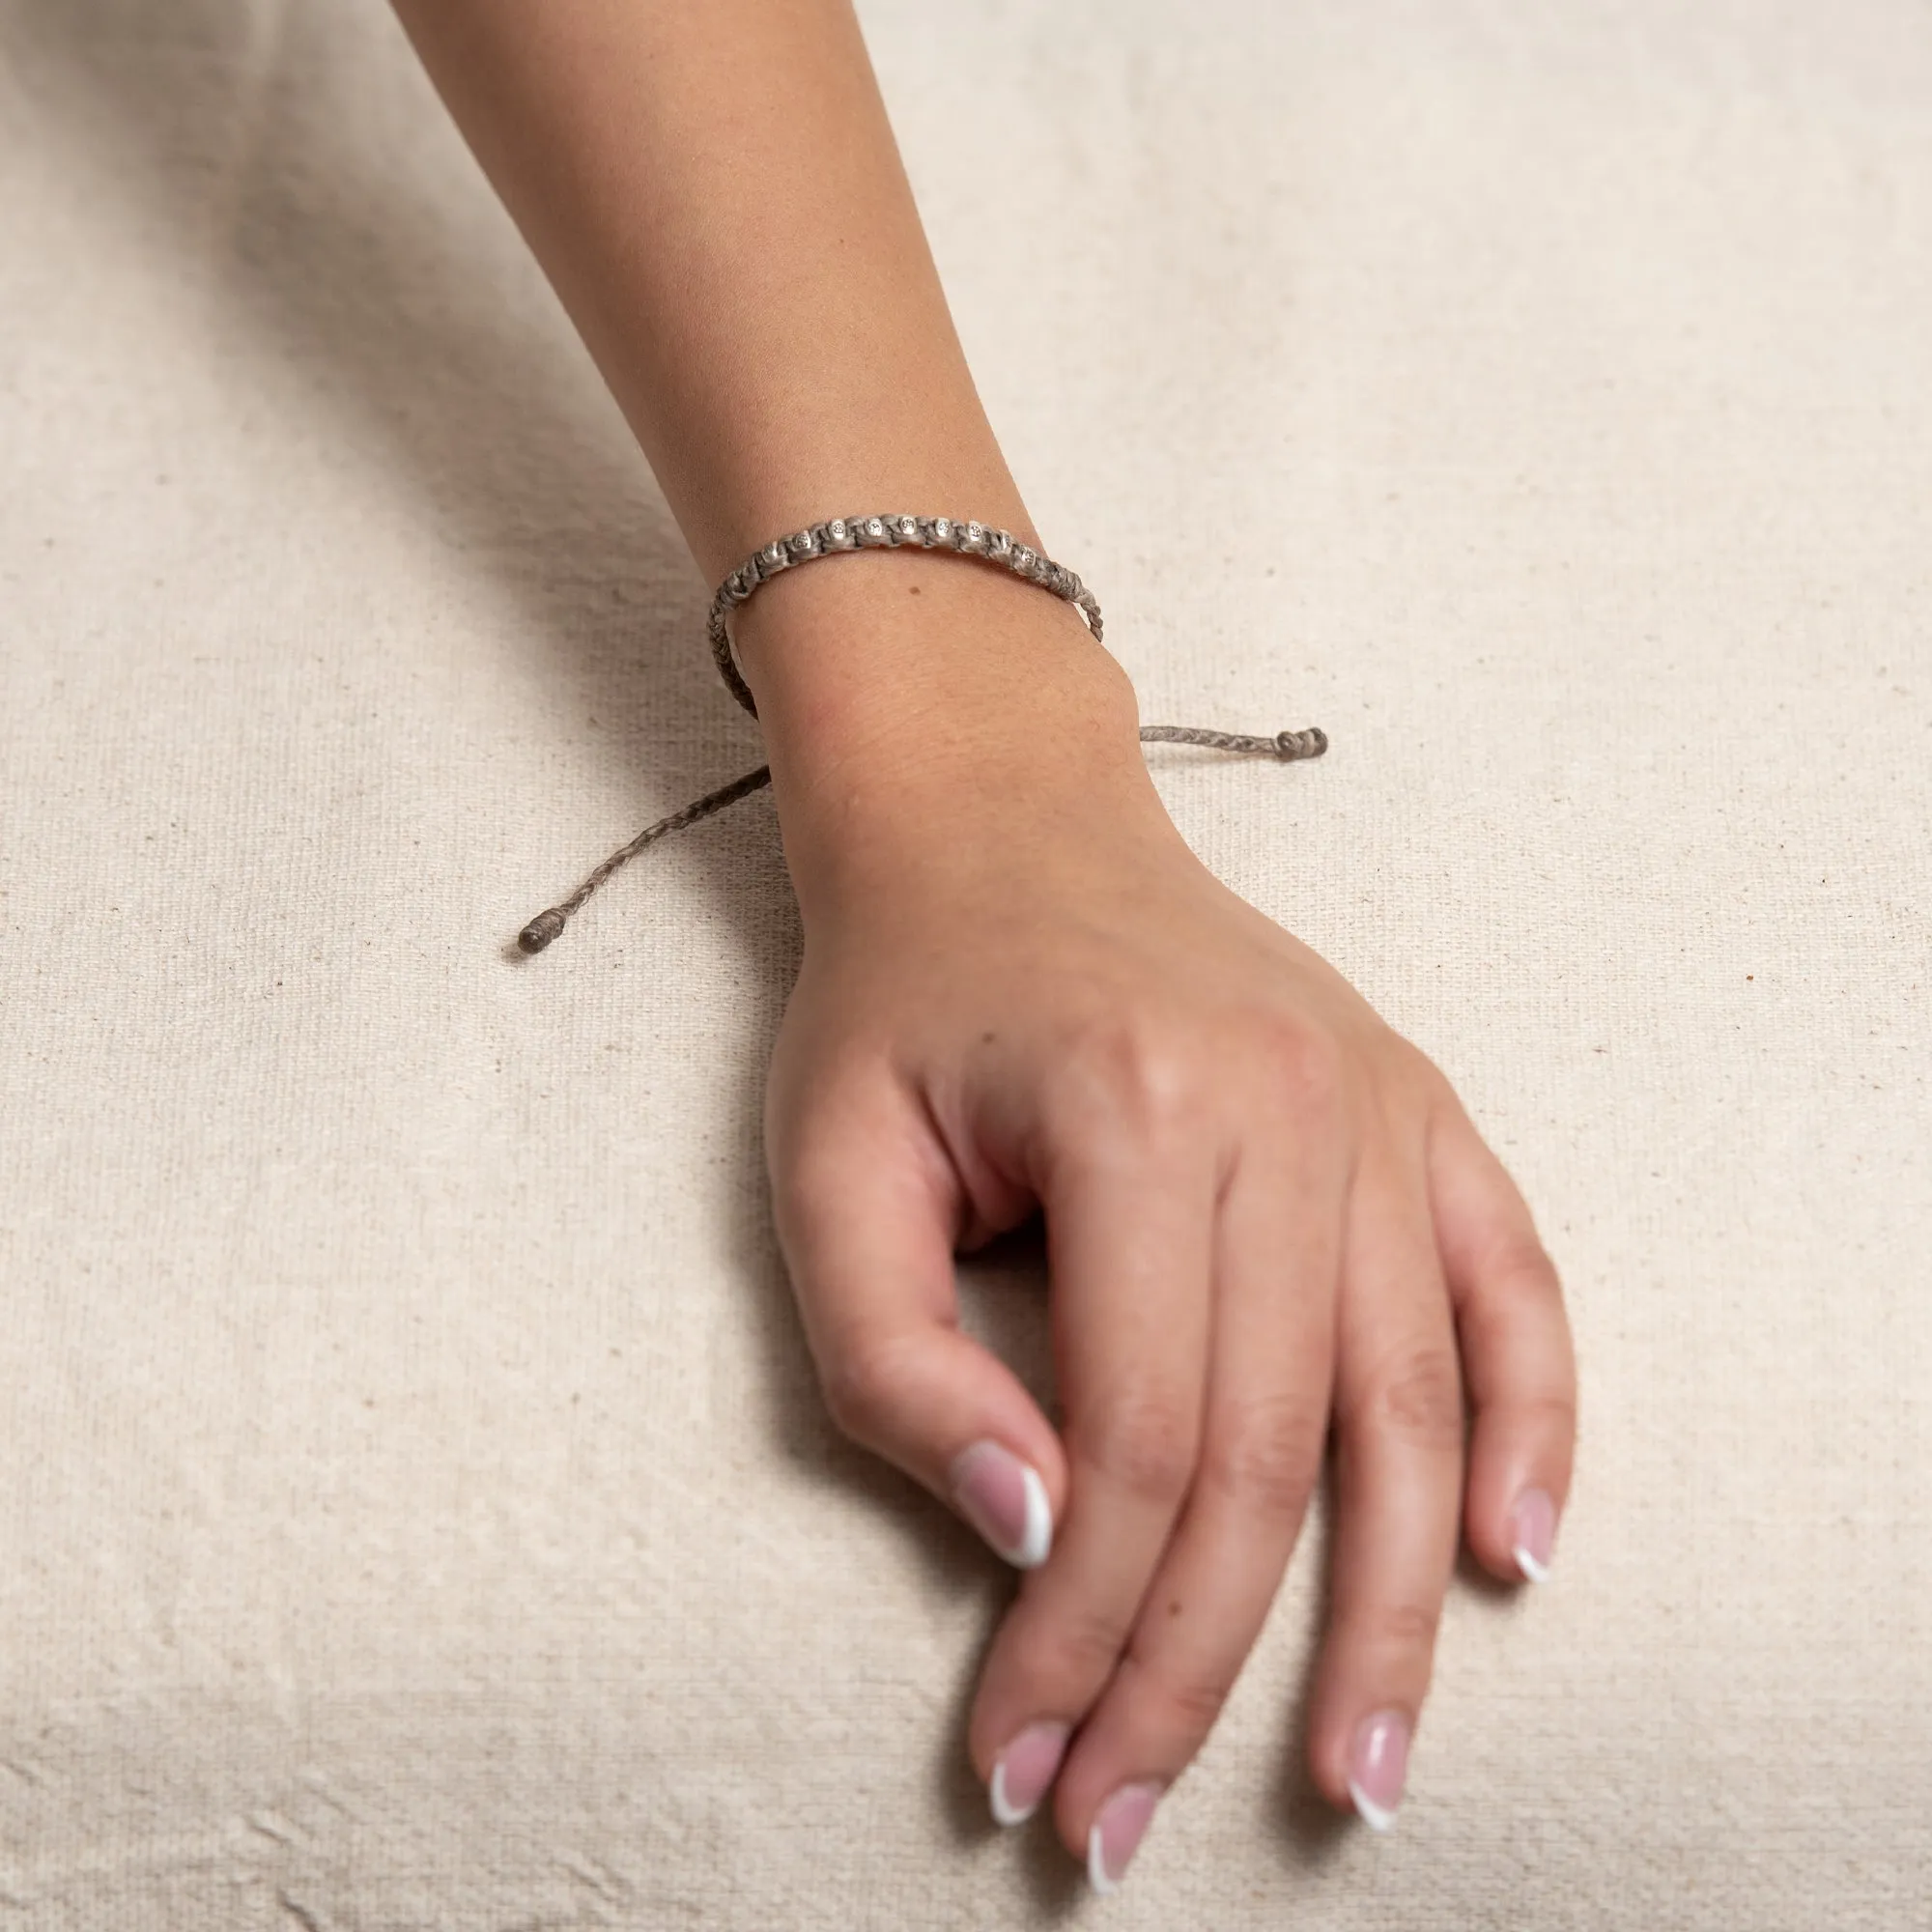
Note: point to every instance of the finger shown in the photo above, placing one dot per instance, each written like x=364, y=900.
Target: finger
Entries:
x=1399, y=1481
x=1517, y=1353
x=865, y=1206
x=1129, y=1232
x=1277, y=1251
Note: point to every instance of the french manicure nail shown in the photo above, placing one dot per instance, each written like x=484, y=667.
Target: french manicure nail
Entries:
x=1025, y=1770
x=1117, y=1833
x=1005, y=1501
x=1533, y=1534
x=1378, y=1768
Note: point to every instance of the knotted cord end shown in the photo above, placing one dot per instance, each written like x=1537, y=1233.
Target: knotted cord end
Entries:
x=1308, y=743
x=541, y=930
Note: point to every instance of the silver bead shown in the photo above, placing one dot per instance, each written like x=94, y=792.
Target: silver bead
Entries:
x=845, y=533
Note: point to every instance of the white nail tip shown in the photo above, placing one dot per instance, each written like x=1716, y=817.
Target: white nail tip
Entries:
x=1537, y=1573
x=1039, y=1537
x=1096, y=1865
x=1006, y=1812
x=1376, y=1817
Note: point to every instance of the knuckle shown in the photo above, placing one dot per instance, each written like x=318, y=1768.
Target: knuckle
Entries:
x=1146, y=1443
x=1403, y=1630
x=1515, y=1287
x=813, y=1189
x=1195, y=1702
x=1132, y=1069
x=861, y=1384
x=1420, y=1398
x=1304, y=1063
x=1079, y=1651
x=1265, y=1451
x=1519, y=1267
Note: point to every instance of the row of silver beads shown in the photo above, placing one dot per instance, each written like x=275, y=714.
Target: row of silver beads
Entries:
x=837, y=535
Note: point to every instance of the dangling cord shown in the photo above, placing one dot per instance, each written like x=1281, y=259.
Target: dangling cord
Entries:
x=542, y=929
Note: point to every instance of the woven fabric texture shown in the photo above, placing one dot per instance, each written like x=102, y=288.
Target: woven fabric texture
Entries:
x=419, y=1512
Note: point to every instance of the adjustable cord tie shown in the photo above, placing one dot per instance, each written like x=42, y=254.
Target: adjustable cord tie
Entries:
x=841, y=536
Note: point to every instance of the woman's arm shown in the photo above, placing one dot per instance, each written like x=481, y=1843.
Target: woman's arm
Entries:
x=715, y=192
x=1265, y=1210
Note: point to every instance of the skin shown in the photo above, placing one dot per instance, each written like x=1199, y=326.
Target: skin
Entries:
x=1269, y=1216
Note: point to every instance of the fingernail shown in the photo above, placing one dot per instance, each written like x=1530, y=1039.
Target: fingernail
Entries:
x=1005, y=1501
x=1376, y=1771
x=1533, y=1534
x=1025, y=1770
x=1116, y=1834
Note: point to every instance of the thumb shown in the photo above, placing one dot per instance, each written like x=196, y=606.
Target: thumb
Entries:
x=866, y=1202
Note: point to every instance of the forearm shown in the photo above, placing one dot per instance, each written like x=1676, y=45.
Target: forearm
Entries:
x=714, y=191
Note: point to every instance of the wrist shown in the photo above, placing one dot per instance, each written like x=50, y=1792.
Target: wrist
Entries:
x=915, y=705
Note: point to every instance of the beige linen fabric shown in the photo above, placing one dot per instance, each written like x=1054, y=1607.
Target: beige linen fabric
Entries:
x=418, y=1509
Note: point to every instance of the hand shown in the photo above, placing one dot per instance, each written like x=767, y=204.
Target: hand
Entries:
x=1266, y=1212
x=1263, y=1209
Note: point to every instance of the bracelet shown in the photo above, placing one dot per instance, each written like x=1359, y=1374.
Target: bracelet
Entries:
x=841, y=536
x=838, y=536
